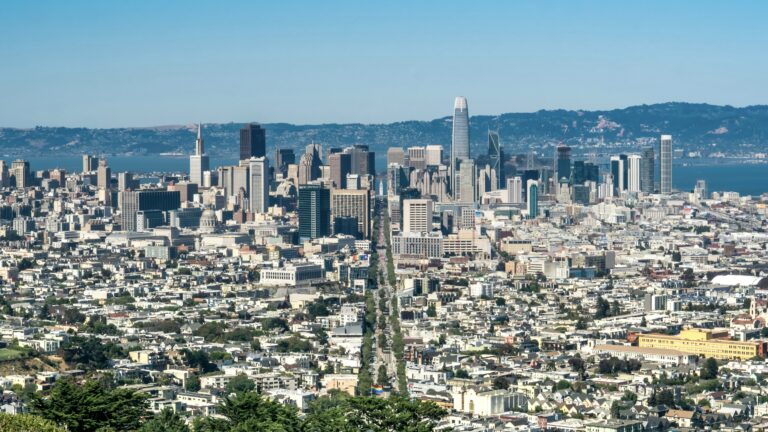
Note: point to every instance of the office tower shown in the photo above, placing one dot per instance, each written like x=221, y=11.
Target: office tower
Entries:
x=459, y=139
x=125, y=181
x=397, y=179
x=186, y=190
x=20, y=172
x=258, y=197
x=362, y=160
x=608, y=186
x=314, y=211
x=701, y=189
x=132, y=202
x=515, y=190
x=433, y=155
x=354, y=203
x=496, y=156
x=283, y=158
x=90, y=163
x=486, y=180
x=198, y=162
x=617, y=173
x=467, y=181
x=665, y=157
x=417, y=157
x=240, y=179
x=625, y=162
x=5, y=176
x=57, y=174
x=253, y=141
x=533, y=199
x=579, y=172
x=634, y=175
x=647, y=171
x=103, y=175
x=417, y=215
x=396, y=155
x=529, y=174
x=341, y=166
x=591, y=172
x=563, y=163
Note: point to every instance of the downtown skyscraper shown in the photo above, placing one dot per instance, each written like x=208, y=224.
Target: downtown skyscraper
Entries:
x=496, y=156
x=253, y=141
x=198, y=162
x=665, y=153
x=459, y=139
x=647, y=171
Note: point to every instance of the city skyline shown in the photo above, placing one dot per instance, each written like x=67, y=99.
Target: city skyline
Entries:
x=101, y=54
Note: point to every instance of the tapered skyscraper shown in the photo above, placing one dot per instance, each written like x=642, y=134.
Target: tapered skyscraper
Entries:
x=198, y=162
x=665, y=153
x=459, y=138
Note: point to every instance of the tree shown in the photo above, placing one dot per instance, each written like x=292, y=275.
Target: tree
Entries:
x=709, y=369
x=199, y=360
x=563, y=385
x=431, y=311
x=375, y=415
x=382, y=377
x=166, y=421
x=603, y=308
x=250, y=411
x=27, y=423
x=666, y=397
x=461, y=373
x=90, y=353
x=90, y=407
x=500, y=383
x=240, y=383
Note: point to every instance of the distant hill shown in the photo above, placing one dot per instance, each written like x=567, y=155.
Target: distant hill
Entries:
x=704, y=127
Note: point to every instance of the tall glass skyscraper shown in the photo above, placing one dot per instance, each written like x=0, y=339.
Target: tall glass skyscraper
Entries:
x=665, y=153
x=563, y=163
x=459, y=138
x=496, y=156
x=647, y=170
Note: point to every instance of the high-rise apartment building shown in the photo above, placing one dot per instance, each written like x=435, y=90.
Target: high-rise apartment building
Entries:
x=353, y=203
x=459, y=139
x=665, y=156
x=258, y=198
x=314, y=209
x=198, y=162
x=253, y=141
x=417, y=215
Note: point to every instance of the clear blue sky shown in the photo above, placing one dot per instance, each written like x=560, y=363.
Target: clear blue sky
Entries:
x=141, y=63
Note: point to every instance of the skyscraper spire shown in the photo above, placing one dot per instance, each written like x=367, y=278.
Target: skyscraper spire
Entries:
x=199, y=149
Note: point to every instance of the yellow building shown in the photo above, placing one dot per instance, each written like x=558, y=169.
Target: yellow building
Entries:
x=703, y=343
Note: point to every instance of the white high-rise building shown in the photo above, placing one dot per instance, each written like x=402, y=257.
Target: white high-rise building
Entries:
x=417, y=215
x=665, y=156
x=258, y=198
x=198, y=162
x=433, y=155
x=459, y=139
x=633, y=175
x=467, y=182
x=515, y=190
